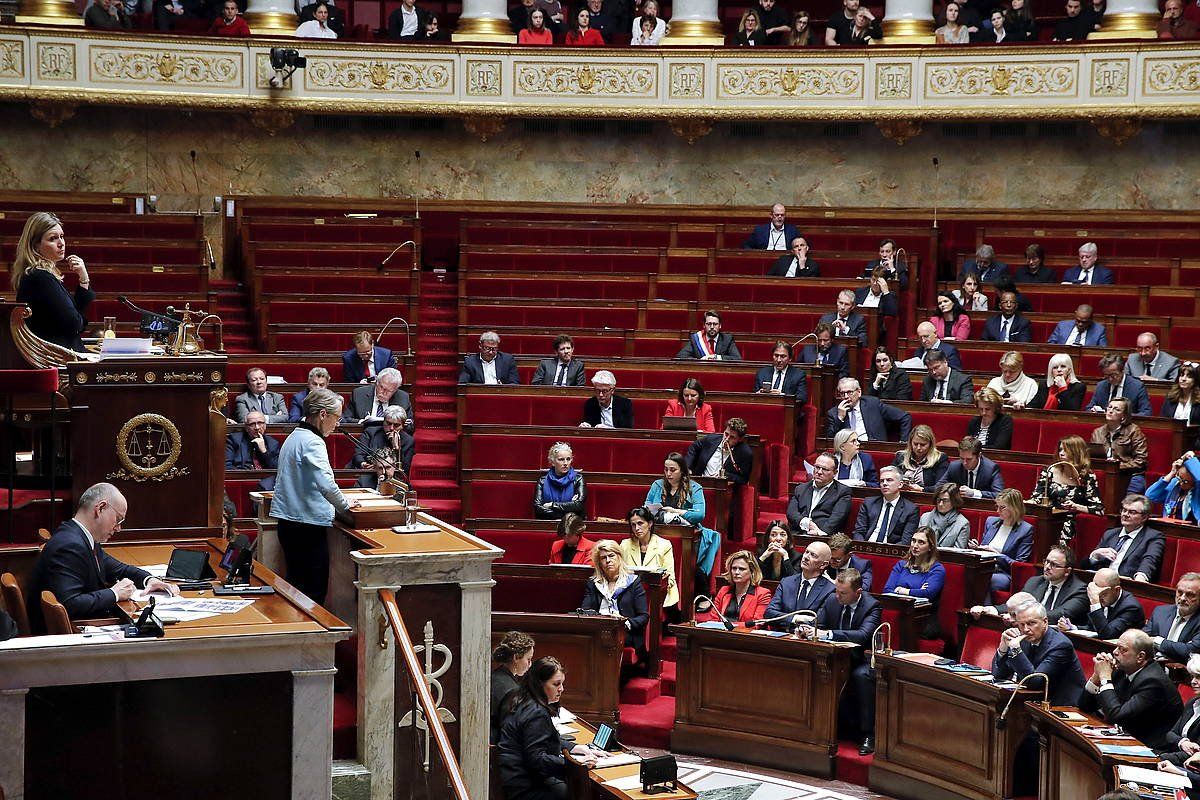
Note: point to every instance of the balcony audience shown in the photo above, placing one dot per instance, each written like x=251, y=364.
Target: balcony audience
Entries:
x=316, y=28
x=749, y=33
x=599, y=19
x=1057, y=589
x=1069, y=485
x=582, y=34
x=1149, y=362
x=723, y=455
x=800, y=33
x=821, y=505
x=365, y=360
x=1133, y=549
x=782, y=377
x=1119, y=384
x=922, y=466
x=795, y=263
x=605, y=408
x=251, y=448
x=1015, y=388
x=536, y=32
x=529, y=751
x=1174, y=25
x=167, y=12
x=1075, y=26
x=518, y=15
x=1178, y=492
x=743, y=598
x=1009, y=325
x=1021, y=27
x=490, y=366
x=992, y=427
x=887, y=517
x=952, y=31
x=571, y=546
x=997, y=33
x=710, y=344
x=561, y=489
x=407, y=22
x=1008, y=536
x=866, y=416
x=258, y=398
x=689, y=403
x=854, y=467
x=845, y=320
x=433, y=32
x=614, y=591
x=513, y=657
x=777, y=234
x=777, y=558
x=1111, y=610
x=562, y=370
x=645, y=32
x=1125, y=443
x=1144, y=702
x=1062, y=391
x=842, y=558
x=1183, y=398
x=556, y=15
x=109, y=15
x=976, y=475
x=654, y=37
x=950, y=321
x=945, y=520
x=806, y=590
x=645, y=549
x=889, y=382
x=1175, y=627
x=383, y=448
x=369, y=402
x=968, y=294
x=318, y=378
x=943, y=384
x=774, y=21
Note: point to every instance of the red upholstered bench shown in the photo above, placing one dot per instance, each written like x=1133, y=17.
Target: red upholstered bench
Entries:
x=299, y=282
x=979, y=646
x=617, y=287
x=1187, y=559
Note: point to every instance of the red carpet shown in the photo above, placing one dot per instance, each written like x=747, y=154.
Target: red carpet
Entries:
x=851, y=767
x=649, y=725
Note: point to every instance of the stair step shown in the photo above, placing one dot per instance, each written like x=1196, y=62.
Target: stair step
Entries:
x=430, y=435
x=648, y=725
x=667, y=676
x=439, y=486
x=641, y=691
x=666, y=649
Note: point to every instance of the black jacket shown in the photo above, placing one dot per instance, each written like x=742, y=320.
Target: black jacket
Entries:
x=57, y=316
x=737, y=469
x=503, y=682
x=897, y=385
x=999, y=432
x=559, y=510
x=622, y=408
x=395, y=25
x=1147, y=706
x=1070, y=400
x=631, y=602
x=529, y=751
x=1122, y=615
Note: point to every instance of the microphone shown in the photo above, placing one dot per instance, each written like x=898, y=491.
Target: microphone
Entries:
x=407, y=332
x=887, y=649
x=721, y=617
x=1001, y=722
x=802, y=338
x=409, y=243
x=801, y=617
x=936, y=186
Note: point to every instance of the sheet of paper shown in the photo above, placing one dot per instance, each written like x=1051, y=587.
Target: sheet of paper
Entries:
x=1073, y=716
x=209, y=605
x=61, y=640
x=1152, y=777
x=618, y=760
x=1126, y=750
x=564, y=715
x=625, y=784
x=157, y=570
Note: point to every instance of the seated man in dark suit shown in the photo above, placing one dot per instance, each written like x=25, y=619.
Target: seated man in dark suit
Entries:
x=1111, y=610
x=805, y=591
x=1035, y=269
x=888, y=517
x=894, y=266
x=709, y=455
x=930, y=342
x=842, y=558
x=1082, y=330
x=563, y=370
x=845, y=321
x=984, y=265
x=851, y=615
x=866, y=416
x=781, y=377
x=606, y=409
x=711, y=344
x=85, y=579
x=489, y=366
x=364, y=361
x=1088, y=273
x=318, y=378
x=1175, y=628
x=826, y=351
x=1129, y=690
x=369, y=402
x=1009, y=325
x=1130, y=388
x=821, y=505
x=878, y=295
x=773, y=235
x=1133, y=549
x=8, y=627
x=257, y=398
x=251, y=448
x=795, y=264
x=1057, y=589
x=1032, y=645
x=977, y=475
x=382, y=448
x=943, y=384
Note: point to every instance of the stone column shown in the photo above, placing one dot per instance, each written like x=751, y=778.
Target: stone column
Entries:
x=484, y=21
x=694, y=22
x=1129, y=19
x=12, y=755
x=476, y=649
x=908, y=22
x=48, y=12
x=272, y=16
x=312, y=740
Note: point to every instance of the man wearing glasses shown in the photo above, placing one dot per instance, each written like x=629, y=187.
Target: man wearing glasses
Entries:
x=1057, y=589
x=866, y=416
x=1133, y=550
x=85, y=579
x=490, y=366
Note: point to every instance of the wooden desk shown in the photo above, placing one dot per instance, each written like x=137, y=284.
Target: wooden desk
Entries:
x=936, y=732
x=583, y=783
x=1073, y=768
x=243, y=698
x=758, y=699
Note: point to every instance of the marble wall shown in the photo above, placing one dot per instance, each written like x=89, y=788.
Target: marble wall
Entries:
x=611, y=162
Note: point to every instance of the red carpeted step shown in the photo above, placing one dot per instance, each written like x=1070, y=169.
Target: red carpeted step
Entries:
x=438, y=489
x=446, y=510
x=431, y=435
x=436, y=461
x=851, y=767
x=641, y=691
x=649, y=725
x=667, y=677
x=666, y=650
x=438, y=419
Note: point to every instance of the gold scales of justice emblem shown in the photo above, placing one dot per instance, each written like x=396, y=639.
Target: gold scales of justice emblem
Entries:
x=148, y=446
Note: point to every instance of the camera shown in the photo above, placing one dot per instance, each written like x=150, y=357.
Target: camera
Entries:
x=285, y=61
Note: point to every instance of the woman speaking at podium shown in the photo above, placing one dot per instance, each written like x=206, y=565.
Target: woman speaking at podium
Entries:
x=37, y=278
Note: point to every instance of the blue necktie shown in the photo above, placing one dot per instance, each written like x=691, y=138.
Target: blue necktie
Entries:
x=887, y=520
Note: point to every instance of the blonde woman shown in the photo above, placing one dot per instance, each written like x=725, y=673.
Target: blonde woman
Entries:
x=614, y=591
x=1015, y=388
x=742, y=599
x=38, y=279
x=1007, y=535
x=1069, y=485
x=922, y=466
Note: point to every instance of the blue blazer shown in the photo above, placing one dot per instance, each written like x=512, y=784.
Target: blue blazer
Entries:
x=901, y=527
x=863, y=565
x=1160, y=623
x=1019, y=546
x=1019, y=329
x=760, y=237
x=995, y=271
x=787, y=597
x=1054, y=656
x=1144, y=555
x=866, y=618
x=68, y=567
x=506, y=369
x=952, y=356
x=870, y=475
x=1095, y=336
x=988, y=479
x=876, y=414
x=296, y=406
x=888, y=307
x=838, y=356
x=352, y=365
x=1101, y=276
x=1132, y=389
x=1165, y=491
x=795, y=382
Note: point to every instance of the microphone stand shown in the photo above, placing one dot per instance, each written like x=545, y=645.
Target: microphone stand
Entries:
x=409, y=243
x=802, y=338
x=1001, y=721
x=720, y=617
x=379, y=457
x=887, y=649
x=407, y=332
x=807, y=618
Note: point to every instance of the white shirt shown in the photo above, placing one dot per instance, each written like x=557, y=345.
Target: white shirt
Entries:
x=871, y=300
x=1001, y=538
x=489, y=371
x=791, y=273
x=313, y=30
x=713, y=468
x=777, y=241
x=660, y=30
x=891, y=518
x=818, y=494
x=858, y=426
x=606, y=419
x=409, y=27
x=1124, y=548
x=1183, y=411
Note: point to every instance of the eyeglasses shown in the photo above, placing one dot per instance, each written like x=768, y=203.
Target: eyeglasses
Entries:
x=1052, y=565
x=1133, y=511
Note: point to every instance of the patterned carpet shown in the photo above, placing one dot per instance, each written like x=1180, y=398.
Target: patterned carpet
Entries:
x=722, y=783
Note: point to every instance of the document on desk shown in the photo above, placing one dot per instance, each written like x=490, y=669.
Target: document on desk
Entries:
x=1126, y=750
x=188, y=609
x=626, y=784
x=1152, y=777
x=62, y=640
x=617, y=760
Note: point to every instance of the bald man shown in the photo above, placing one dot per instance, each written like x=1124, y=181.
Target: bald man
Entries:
x=930, y=341
x=805, y=591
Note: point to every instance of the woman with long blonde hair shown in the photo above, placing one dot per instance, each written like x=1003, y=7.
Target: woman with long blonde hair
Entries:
x=38, y=280
x=922, y=466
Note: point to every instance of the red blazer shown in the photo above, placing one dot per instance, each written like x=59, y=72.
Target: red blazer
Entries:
x=753, y=607
x=704, y=417
x=583, y=551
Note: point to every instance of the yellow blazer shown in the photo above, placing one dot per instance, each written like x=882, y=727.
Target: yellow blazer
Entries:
x=659, y=555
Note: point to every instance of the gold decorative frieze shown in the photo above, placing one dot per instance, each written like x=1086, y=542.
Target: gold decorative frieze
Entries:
x=1110, y=77
x=12, y=59
x=893, y=81
x=687, y=81
x=56, y=61
x=408, y=75
x=1052, y=79
x=1172, y=76
x=199, y=70
x=183, y=377
x=484, y=78
x=116, y=377
x=768, y=81
x=556, y=79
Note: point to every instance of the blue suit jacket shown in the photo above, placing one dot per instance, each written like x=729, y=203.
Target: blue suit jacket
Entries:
x=787, y=595
x=1101, y=276
x=838, y=356
x=1095, y=336
x=901, y=527
x=69, y=568
x=1132, y=389
x=1144, y=555
x=352, y=365
x=988, y=479
x=863, y=565
x=506, y=369
x=795, y=382
x=1124, y=614
x=1165, y=491
x=876, y=414
x=866, y=618
x=952, y=356
x=1018, y=547
x=1054, y=656
x=1160, y=623
x=995, y=271
x=296, y=406
x=1019, y=329
x=760, y=237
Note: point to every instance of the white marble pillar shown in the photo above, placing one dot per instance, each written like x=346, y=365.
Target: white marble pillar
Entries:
x=271, y=16
x=312, y=735
x=48, y=12
x=694, y=22
x=908, y=22
x=484, y=21
x=476, y=649
x=376, y=694
x=1128, y=19
x=12, y=753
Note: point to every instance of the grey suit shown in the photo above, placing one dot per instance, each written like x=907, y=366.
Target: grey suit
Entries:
x=362, y=404
x=276, y=407
x=1165, y=367
x=547, y=370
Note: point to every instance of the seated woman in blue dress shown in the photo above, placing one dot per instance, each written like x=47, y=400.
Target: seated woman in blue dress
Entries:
x=614, y=591
x=1007, y=535
x=920, y=575
x=561, y=489
x=855, y=468
x=676, y=499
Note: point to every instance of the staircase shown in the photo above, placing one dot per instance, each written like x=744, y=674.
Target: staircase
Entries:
x=229, y=300
x=435, y=465
x=647, y=705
